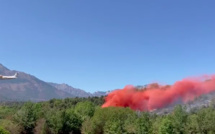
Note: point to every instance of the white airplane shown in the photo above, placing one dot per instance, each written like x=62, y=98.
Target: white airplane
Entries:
x=2, y=77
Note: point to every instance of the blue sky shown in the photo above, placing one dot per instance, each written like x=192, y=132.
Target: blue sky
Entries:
x=107, y=44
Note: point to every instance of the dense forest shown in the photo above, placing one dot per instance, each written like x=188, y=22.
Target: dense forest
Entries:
x=85, y=115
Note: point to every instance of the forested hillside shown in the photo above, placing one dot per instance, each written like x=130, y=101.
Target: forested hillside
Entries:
x=85, y=115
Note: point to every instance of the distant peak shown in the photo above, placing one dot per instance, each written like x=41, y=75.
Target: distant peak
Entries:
x=2, y=67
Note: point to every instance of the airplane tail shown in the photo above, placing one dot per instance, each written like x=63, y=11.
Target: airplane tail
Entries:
x=16, y=74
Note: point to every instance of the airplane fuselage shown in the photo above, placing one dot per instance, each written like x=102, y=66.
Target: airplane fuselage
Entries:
x=2, y=77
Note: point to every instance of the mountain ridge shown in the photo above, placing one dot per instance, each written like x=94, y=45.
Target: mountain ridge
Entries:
x=28, y=87
x=76, y=91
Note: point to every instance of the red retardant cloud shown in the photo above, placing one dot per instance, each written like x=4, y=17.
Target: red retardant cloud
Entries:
x=155, y=96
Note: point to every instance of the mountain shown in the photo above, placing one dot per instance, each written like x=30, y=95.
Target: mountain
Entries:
x=99, y=93
x=71, y=90
x=27, y=87
x=76, y=92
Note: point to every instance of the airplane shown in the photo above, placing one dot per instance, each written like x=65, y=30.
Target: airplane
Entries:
x=2, y=77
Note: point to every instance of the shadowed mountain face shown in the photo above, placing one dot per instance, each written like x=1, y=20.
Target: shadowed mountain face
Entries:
x=77, y=92
x=27, y=87
x=99, y=93
x=71, y=90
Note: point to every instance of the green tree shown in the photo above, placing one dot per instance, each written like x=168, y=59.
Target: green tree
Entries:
x=10, y=125
x=113, y=127
x=179, y=118
x=87, y=127
x=156, y=121
x=28, y=115
x=166, y=126
x=110, y=114
x=85, y=109
x=143, y=123
x=3, y=131
x=54, y=121
x=192, y=125
x=131, y=124
x=203, y=121
x=71, y=122
x=6, y=111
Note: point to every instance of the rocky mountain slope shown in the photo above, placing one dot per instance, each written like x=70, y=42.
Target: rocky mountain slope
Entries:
x=71, y=90
x=28, y=87
x=75, y=91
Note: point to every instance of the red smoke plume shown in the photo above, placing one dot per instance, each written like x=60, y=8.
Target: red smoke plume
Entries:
x=155, y=96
